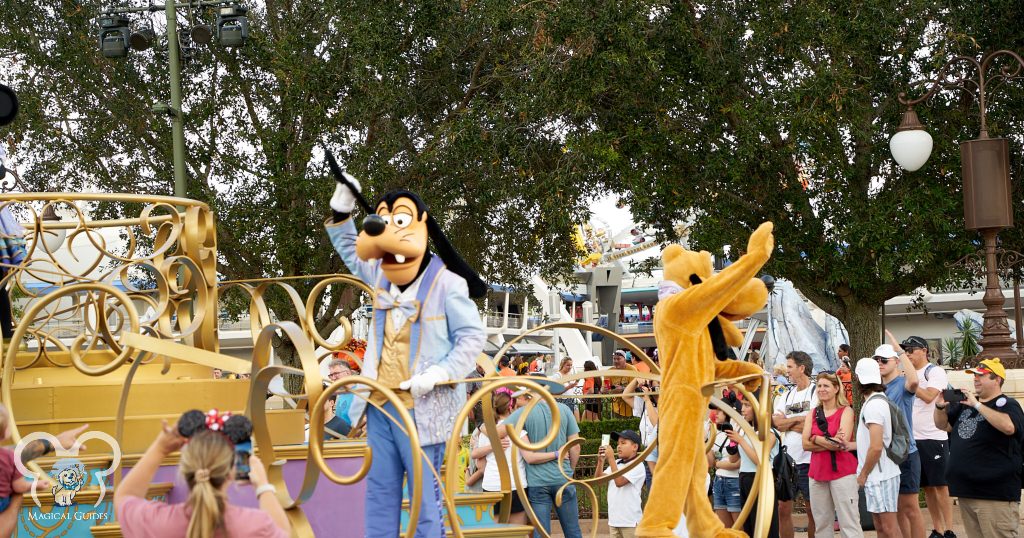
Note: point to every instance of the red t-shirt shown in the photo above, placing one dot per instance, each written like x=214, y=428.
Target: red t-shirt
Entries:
x=154, y=519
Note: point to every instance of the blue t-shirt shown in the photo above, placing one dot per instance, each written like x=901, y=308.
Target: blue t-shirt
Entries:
x=537, y=425
x=341, y=406
x=896, y=391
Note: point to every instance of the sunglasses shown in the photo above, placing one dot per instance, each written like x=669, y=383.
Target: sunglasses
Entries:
x=883, y=360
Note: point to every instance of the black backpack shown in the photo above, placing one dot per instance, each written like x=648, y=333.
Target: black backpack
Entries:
x=784, y=469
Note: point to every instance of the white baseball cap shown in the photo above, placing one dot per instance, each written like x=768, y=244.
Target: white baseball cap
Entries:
x=867, y=371
x=886, y=351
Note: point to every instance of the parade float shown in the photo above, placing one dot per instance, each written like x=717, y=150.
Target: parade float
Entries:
x=124, y=338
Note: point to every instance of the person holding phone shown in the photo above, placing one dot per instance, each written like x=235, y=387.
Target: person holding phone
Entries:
x=725, y=489
x=208, y=467
x=833, y=470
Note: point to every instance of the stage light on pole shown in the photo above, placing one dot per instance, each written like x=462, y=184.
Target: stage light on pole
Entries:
x=142, y=39
x=113, y=36
x=202, y=34
x=232, y=25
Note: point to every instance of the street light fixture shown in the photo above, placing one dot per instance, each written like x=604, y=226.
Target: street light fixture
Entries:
x=985, y=165
x=911, y=145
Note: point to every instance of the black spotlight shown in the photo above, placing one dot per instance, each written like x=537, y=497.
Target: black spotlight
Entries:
x=142, y=39
x=232, y=25
x=113, y=36
x=8, y=105
x=202, y=33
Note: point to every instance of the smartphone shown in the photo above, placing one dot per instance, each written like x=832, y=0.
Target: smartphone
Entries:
x=953, y=395
x=242, y=463
x=606, y=439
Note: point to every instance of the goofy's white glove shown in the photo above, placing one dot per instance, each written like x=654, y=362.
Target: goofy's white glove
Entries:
x=344, y=200
x=421, y=384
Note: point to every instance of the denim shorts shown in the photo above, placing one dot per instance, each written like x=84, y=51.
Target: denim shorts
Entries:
x=726, y=494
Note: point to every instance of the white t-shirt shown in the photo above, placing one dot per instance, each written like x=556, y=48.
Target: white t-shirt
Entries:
x=806, y=399
x=924, y=418
x=648, y=431
x=624, y=502
x=875, y=411
x=492, y=479
x=722, y=441
x=575, y=391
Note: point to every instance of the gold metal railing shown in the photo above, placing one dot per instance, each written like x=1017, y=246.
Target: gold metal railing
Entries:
x=173, y=316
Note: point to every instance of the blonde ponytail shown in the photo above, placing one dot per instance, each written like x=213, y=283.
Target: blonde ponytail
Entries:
x=206, y=463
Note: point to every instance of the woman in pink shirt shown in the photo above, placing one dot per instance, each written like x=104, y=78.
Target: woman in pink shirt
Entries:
x=833, y=469
x=207, y=463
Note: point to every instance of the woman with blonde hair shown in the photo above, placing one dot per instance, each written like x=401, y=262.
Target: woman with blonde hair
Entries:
x=833, y=469
x=573, y=387
x=208, y=466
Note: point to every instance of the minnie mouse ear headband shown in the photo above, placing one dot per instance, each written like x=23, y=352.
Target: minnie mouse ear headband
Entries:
x=237, y=428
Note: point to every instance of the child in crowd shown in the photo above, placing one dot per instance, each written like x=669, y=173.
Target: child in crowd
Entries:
x=624, y=511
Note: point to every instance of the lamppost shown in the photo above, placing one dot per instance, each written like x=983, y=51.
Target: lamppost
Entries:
x=115, y=38
x=985, y=164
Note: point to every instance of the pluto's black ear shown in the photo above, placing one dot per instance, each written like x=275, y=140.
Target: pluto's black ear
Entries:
x=718, y=340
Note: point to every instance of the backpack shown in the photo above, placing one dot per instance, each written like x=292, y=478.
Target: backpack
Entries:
x=929, y=369
x=899, y=447
x=784, y=470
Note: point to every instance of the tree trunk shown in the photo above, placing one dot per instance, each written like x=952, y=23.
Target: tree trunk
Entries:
x=285, y=351
x=862, y=324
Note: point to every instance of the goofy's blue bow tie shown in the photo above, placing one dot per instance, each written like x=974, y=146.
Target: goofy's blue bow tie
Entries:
x=409, y=307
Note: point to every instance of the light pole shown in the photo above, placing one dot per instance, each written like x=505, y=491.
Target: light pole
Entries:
x=232, y=29
x=985, y=164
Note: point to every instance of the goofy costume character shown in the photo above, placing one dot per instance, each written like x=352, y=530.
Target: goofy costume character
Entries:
x=425, y=330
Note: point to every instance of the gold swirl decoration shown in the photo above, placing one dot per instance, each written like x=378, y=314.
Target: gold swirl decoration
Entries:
x=166, y=264
x=156, y=297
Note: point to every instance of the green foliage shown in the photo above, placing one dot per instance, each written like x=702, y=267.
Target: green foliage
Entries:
x=508, y=118
x=729, y=114
x=962, y=349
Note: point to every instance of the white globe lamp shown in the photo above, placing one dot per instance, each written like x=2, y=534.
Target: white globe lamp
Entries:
x=911, y=145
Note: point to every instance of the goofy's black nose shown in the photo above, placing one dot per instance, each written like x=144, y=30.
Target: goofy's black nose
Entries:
x=374, y=225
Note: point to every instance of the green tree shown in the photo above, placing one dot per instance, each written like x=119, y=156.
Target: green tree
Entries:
x=727, y=114
x=434, y=97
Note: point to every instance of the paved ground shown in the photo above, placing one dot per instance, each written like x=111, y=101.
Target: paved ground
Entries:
x=801, y=521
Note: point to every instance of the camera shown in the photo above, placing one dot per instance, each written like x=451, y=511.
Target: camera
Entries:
x=798, y=407
x=724, y=427
x=953, y=395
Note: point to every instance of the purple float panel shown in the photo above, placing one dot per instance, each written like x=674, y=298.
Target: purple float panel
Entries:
x=333, y=510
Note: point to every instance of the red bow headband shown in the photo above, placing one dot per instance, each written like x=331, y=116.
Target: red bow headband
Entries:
x=215, y=420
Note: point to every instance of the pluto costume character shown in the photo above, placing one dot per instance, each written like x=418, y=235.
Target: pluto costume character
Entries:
x=683, y=326
x=425, y=330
